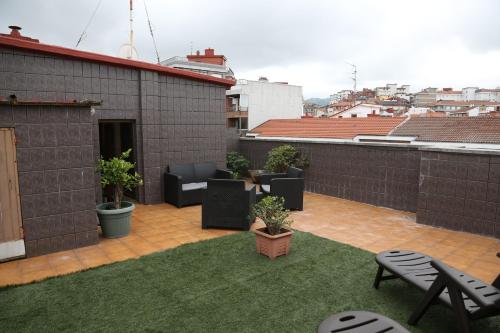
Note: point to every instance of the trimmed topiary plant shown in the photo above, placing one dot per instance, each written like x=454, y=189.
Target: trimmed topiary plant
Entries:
x=237, y=164
x=280, y=158
x=115, y=172
x=115, y=217
x=271, y=210
x=275, y=239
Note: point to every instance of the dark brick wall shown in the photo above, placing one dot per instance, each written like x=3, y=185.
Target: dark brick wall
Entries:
x=176, y=120
x=382, y=176
x=56, y=176
x=460, y=192
x=232, y=139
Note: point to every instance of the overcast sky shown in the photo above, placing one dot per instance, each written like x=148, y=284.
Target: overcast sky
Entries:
x=423, y=43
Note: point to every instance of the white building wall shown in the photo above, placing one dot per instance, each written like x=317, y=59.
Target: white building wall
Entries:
x=469, y=93
x=269, y=100
x=360, y=111
x=449, y=97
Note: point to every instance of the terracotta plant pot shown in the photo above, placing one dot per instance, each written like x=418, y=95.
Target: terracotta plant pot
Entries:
x=273, y=245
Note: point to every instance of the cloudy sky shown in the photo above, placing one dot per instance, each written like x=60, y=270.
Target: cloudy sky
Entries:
x=441, y=43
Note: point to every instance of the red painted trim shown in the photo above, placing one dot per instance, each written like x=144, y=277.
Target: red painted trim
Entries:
x=100, y=58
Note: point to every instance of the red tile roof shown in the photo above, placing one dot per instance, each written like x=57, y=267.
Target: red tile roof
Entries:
x=463, y=129
x=100, y=58
x=334, y=128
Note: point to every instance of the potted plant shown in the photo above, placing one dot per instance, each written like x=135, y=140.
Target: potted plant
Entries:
x=237, y=164
x=275, y=238
x=115, y=216
x=281, y=157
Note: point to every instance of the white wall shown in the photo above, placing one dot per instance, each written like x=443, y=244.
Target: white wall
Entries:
x=269, y=100
x=360, y=110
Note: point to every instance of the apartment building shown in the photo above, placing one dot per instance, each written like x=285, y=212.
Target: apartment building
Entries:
x=254, y=102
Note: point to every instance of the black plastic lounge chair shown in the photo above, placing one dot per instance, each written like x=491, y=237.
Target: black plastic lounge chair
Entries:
x=468, y=297
x=227, y=204
x=288, y=185
x=359, y=322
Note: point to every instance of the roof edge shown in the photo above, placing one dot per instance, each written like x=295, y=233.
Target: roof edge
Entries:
x=101, y=58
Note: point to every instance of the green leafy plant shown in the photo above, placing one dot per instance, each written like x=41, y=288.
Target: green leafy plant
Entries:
x=272, y=212
x=115, y=172
x=280, y=158
x=237, y=164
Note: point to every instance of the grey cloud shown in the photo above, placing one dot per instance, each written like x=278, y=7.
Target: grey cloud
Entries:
x=386, y=39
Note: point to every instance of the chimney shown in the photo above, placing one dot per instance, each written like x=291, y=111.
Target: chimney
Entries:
x=208, y=58
x=15, y=33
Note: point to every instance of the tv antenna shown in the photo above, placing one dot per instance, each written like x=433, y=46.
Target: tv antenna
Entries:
x=128, y=50
x=354, y=76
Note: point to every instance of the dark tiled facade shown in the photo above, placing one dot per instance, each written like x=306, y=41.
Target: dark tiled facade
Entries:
x=176, y=120
x=56, y=176
x=460, y=192
x=382, y=176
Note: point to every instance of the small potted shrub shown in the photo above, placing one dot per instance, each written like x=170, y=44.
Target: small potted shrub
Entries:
x=237, y=164
x=115, y=216
x=275, y=238
x=280, y=158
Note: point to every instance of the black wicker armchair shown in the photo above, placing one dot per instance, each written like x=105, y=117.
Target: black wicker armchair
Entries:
x=227, y=204
x=288, y=185
x=184, y=183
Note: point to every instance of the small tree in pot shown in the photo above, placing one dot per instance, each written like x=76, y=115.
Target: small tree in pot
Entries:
x=281, y=157
x=274, y=240
x=115, y=217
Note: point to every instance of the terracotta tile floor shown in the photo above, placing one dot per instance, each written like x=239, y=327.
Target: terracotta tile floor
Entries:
x=160, y=227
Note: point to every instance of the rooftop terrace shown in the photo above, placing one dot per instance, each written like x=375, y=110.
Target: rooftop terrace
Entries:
x=160, y=227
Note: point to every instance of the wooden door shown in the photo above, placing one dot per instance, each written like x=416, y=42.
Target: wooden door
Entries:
x=11, y=236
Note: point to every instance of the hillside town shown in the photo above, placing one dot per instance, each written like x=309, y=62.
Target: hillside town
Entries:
x=394, y=101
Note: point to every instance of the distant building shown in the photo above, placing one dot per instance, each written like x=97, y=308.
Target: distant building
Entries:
x=468, y=94
x=465, y=108
x=254, y=102
x=340, y=96
x=426, y=97
x=337, y=107
x=392, y=90
x=448, y=94
x=209, y=64
x=361, y=111
x=417, y=111
x=314, y=110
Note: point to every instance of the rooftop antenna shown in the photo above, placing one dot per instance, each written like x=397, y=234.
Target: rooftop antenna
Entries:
x=191, y=47
x=128, y=50
x=151, y=31
x=84, y=32
x=354, y=76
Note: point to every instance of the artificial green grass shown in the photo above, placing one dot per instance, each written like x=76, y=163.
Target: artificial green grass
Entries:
x=220, y=285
